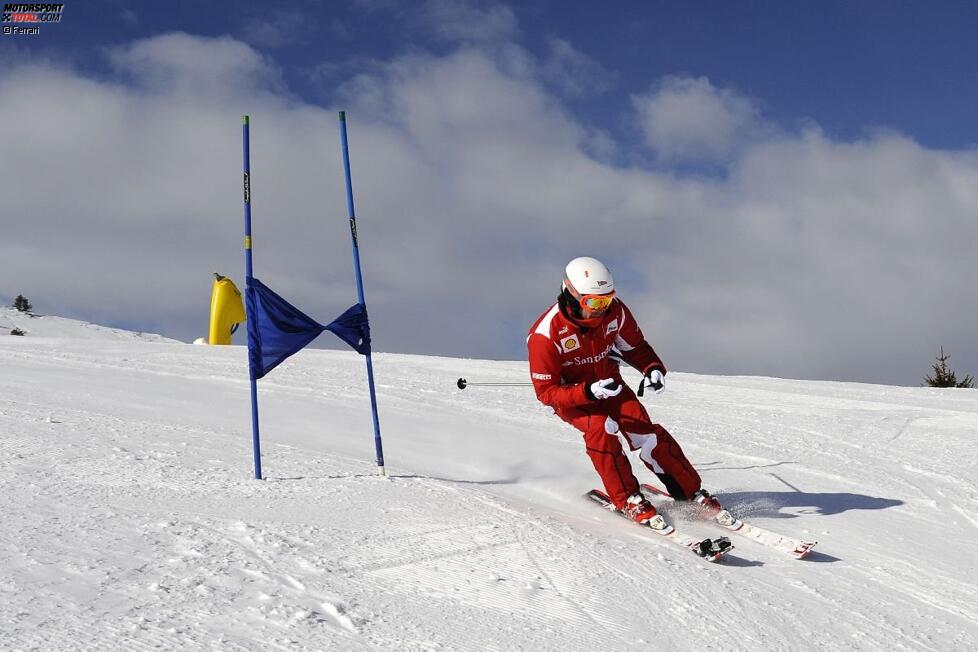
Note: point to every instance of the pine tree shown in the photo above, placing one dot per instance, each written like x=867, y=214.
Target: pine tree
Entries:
x=944, y=376
x=22, y=304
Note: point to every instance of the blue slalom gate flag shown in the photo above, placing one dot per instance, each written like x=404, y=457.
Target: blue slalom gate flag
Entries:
x=353, y=327
x=277, y=329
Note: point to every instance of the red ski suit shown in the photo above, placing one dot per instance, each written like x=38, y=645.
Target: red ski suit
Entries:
x=565, y=358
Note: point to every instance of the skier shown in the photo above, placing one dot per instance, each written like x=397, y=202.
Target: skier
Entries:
x=573, y=349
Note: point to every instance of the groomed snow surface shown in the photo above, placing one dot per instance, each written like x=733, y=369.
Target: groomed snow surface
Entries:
x=131, y=519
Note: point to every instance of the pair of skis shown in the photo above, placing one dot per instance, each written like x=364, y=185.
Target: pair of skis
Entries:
x=708, y=549
x=715, y=549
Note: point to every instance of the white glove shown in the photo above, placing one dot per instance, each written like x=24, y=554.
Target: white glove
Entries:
x=605, y=388
x=656, y=381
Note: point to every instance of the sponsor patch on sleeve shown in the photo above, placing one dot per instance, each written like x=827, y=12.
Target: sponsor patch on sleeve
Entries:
x=537, y=376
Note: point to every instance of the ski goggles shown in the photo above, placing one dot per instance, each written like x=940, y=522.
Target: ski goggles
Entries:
x=596, y=302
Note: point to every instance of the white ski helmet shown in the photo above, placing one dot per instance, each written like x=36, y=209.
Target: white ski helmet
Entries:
x=588, y=288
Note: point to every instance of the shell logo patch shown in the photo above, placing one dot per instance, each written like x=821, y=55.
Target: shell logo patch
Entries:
x=570, y=343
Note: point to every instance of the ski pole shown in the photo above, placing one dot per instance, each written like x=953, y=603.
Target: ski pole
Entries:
x=462, y=384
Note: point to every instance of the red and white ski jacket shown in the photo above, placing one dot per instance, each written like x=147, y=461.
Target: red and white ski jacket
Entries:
x=566, y=357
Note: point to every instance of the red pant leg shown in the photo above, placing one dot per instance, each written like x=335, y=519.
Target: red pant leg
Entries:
x=605, y=450
x=657, y=448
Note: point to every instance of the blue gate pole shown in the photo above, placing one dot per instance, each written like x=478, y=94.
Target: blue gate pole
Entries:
x=256, y=445
x=356, y=269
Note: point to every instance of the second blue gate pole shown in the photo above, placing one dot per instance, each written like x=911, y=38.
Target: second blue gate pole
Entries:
x=356, y=269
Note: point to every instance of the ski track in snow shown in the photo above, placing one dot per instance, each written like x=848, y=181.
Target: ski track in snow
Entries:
x=132, y=520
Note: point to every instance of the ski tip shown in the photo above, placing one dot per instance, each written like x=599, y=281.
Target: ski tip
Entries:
x=596, y=495
x=803, y=549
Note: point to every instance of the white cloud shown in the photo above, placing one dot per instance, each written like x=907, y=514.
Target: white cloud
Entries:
x=687, y=119
x=461, y=20
x=811, y=258
x=452, y=21
x=130, y=17
x=281, y=27
x=843, y=260
x=572, y=71
x=204, y=67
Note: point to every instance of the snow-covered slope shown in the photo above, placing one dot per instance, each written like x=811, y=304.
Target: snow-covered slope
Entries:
x=130, y=518
x=34, y=325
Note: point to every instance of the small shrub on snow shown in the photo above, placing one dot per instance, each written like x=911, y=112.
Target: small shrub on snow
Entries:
x=943, y=375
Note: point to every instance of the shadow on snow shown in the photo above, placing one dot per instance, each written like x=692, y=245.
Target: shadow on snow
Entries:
x=770, y=503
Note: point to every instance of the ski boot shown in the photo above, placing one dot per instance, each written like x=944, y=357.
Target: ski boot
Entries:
x=643, y=512
x=711, y=508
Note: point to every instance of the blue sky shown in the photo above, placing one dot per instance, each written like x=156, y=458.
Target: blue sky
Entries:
x=850, y=66
x=784, y=189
